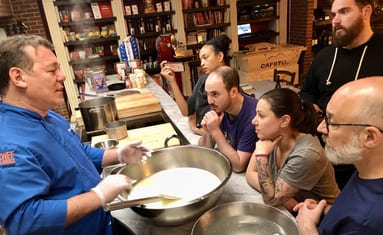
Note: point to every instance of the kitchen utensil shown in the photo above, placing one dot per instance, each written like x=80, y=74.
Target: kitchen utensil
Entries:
x=111, y=170
x=116, y=130
x=137, y=202
x=178, y=157
x=116, y=86
x=245, y=218
x=106, y=144
x=97, y=112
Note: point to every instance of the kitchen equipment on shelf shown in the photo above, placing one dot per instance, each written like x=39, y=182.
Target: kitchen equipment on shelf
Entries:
x=177, y=159
x=245, y=218
x=97, y=112
x=116, y=130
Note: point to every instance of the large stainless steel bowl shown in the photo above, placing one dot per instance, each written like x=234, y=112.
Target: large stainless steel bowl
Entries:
x=175, y=157
x=245, y=218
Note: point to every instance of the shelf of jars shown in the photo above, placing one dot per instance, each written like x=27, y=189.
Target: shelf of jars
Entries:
x=92, y=41
x=87, y=22
x=248, y=3
x=154, y=34
x=322, y=23
x=204, y=9
x=256, y=12
x=150, y=15
x=204, y=27
x=258, y=20
x=72, y=2
x=94, y=60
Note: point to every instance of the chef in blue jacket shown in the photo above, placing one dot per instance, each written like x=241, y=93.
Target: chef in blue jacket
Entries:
x=50, y=182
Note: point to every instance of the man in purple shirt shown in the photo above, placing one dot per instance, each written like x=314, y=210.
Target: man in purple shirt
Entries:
x=228, y=123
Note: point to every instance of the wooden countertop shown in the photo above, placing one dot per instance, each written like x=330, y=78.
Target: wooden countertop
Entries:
x=151, y=136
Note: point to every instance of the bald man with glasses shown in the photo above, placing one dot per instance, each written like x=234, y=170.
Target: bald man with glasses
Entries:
x=352, y=130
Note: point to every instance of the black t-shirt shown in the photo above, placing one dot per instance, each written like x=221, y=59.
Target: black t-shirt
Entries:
x=345, y=69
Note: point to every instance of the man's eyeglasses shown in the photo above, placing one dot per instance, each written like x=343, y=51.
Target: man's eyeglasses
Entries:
x=328, y=123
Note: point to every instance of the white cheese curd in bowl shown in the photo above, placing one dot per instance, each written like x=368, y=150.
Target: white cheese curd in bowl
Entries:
x=185, y=183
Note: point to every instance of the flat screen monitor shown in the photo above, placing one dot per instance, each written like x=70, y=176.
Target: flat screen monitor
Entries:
x=244, y=29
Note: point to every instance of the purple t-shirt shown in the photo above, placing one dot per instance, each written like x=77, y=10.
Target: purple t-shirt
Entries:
x=239, y=131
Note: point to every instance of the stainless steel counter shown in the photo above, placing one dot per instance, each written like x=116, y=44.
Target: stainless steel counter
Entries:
x=236, y=188
x=170, y=108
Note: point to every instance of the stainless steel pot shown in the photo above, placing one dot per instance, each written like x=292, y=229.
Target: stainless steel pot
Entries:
x=245, y=218
x=96, y=113
x=116, y=130
x=175, y=157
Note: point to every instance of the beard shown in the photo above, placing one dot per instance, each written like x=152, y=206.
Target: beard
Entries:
x=349, y=33
x=346, y=154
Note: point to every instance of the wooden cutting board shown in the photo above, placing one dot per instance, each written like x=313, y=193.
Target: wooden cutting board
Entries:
x=151, y=136
x=137, y=104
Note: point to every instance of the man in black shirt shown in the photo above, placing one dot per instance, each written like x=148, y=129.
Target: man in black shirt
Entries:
x=355, y=53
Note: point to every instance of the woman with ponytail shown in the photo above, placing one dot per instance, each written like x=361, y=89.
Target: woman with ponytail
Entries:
x=214, y=53
x=289, y=163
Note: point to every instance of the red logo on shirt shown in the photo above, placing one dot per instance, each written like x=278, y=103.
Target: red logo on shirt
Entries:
x=7, y=158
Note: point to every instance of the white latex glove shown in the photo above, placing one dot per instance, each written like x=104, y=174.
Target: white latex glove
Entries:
x=132, y=152
x=108, y=189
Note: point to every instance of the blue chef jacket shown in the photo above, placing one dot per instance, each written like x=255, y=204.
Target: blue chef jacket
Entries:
x=42, y=164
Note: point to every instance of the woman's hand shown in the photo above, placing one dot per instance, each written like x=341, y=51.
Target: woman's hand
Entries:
x=266, y=146
x=167, y=72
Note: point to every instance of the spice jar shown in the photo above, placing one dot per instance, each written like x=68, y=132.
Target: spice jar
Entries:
x=104, y=32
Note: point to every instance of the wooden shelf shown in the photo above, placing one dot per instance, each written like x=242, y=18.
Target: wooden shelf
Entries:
x=148, y=52
x=153, y=34
x=203, y=27
x=150, y=15
x=74, y=2
x=259, y=36
x=88, y=22
x=252, y=2
x=91, y=41
x=195, y=46
x=322, y=23
x=95, y=60
x=203, y=9
x=258, y=20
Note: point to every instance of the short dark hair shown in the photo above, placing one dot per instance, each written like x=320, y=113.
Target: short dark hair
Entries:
x=229, y=76
x=284, y=101
x=12, y=54
x=361, y=3
x=220, y=44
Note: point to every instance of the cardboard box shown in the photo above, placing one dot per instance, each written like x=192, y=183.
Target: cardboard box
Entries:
x=258, y=66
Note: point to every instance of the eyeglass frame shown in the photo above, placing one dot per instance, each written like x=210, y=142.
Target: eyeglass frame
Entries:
x=328, y=123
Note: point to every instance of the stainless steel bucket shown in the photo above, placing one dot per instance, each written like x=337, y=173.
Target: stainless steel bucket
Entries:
x=96, y=113
x=116, y=130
